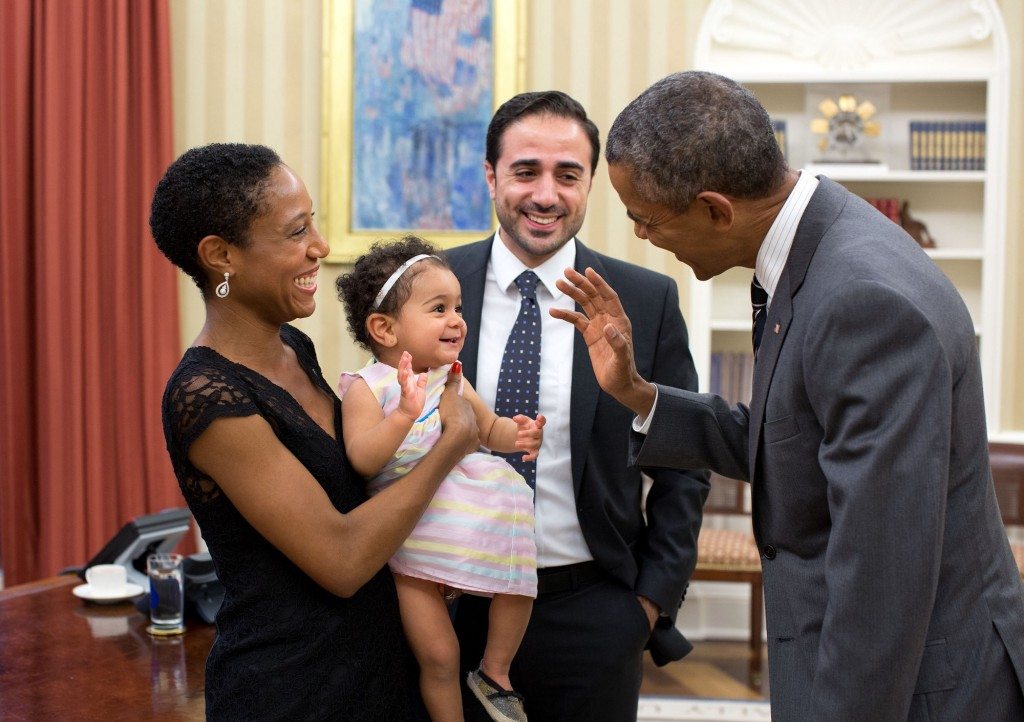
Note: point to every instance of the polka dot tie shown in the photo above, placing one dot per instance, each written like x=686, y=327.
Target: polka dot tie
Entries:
x=519, y=378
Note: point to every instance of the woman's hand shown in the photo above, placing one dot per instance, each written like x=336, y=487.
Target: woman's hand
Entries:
x=414, y=388
x=529, y=435
x=458, y=422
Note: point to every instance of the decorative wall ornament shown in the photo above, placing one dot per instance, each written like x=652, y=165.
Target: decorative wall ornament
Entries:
x=839, y=34
x=843, y=125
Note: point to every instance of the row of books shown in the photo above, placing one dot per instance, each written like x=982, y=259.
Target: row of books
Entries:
x=731, y=375
x=891, y=208
x=947, y=145
x=898, y=211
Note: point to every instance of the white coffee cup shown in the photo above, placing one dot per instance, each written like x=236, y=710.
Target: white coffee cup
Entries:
x=107, y=578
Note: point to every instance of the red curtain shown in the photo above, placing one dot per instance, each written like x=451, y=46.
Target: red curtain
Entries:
x=88, y=306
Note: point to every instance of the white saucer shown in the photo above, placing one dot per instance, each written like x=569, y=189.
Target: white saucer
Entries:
x=85, y=591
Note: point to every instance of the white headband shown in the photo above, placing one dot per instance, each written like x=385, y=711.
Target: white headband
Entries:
x=393, y=278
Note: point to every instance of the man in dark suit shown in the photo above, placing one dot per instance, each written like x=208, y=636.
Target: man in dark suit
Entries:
x=890, y=589
x=607, y=576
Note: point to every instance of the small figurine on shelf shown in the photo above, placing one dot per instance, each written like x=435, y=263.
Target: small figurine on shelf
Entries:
x=917, y=230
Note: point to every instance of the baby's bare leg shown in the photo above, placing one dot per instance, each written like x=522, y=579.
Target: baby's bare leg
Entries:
x=429, y=631
x=507, y=620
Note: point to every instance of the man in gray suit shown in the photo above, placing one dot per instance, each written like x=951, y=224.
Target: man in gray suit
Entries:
x=890, y=589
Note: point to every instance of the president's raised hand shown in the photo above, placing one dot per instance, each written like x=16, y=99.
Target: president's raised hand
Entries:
x=609, y=337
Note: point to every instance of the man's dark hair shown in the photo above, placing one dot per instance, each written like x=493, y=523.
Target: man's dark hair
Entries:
x=215, y=189
x=696, y=131
x=547, y=102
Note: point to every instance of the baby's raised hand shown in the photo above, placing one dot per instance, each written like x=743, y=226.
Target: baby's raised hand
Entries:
x=414, y=388
x=529, y=435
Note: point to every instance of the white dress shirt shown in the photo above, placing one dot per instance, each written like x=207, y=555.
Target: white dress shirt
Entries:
x=771, y=256
x=559, y=537
x=774, y=251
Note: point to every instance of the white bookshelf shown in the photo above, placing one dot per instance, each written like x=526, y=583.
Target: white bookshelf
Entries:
x=916, y=60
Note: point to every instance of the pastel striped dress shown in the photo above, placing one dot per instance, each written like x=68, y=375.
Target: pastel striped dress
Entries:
x=477, y=533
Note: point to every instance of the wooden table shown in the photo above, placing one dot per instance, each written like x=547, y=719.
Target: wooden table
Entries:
x=64, y=659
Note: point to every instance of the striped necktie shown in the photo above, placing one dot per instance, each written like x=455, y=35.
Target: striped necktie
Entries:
x=758, y=303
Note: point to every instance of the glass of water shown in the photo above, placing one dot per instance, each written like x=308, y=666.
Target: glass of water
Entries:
x=166, y=594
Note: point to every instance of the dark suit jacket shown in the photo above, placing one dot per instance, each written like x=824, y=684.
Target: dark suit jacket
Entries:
x=890, y=589
x=656, y=557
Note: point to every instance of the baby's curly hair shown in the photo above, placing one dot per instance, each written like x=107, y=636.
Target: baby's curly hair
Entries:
x=358, y=289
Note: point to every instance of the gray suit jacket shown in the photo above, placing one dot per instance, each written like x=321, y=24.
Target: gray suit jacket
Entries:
x=890, y=589
x=656, y=556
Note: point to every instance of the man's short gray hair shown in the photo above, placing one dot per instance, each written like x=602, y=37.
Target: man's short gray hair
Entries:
x=696, y=131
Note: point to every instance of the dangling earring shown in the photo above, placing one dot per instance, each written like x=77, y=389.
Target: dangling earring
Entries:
x=223, y=289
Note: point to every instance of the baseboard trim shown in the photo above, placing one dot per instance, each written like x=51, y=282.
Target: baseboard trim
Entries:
x=716, y=610
x=681, y=709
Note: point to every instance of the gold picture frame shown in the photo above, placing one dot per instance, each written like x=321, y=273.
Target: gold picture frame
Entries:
x=338, y=201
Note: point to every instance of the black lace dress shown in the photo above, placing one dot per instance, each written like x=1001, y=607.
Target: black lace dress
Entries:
x=285, y=648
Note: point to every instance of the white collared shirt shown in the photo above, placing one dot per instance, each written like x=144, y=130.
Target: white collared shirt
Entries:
x=774, y=251
x=771, y=256
x=559, y=537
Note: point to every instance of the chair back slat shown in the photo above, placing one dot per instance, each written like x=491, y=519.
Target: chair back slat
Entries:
x=727, y=496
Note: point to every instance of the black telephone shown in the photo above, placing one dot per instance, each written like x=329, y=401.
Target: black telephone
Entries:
x=142, y=536
x=204, y=592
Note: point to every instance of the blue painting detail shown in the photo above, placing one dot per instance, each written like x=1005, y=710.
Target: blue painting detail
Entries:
x=423, y=97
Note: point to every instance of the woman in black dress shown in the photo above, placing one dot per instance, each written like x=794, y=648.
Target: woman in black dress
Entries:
x=309, y=627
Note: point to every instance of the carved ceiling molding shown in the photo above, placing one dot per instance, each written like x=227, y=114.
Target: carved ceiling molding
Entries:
x=847, y=34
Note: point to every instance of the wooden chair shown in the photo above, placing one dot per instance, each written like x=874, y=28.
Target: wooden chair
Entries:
x=1007, y=462
x=732, y=556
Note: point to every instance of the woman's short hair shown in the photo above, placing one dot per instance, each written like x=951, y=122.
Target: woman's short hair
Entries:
x=216, y=190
